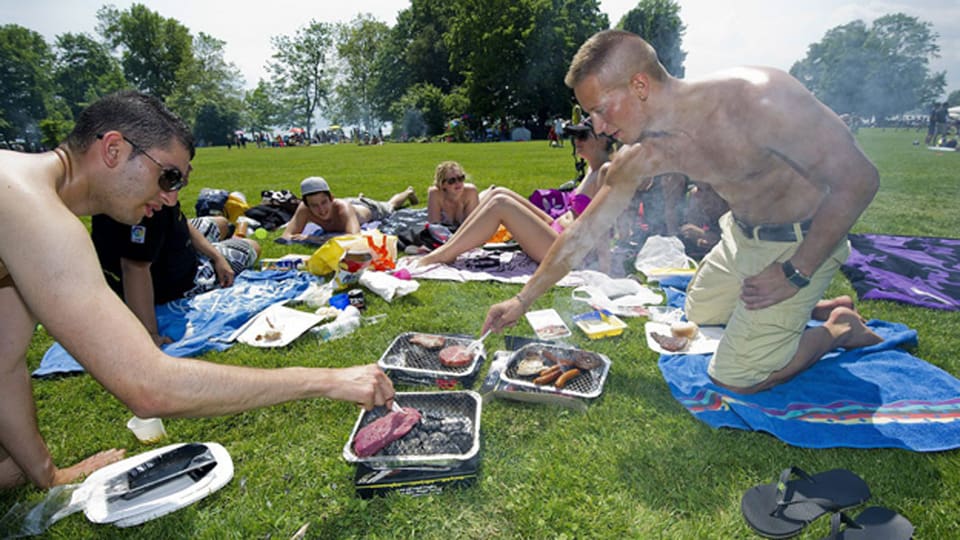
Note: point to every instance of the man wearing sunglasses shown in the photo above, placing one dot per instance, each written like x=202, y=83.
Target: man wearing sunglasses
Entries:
x=49, y=274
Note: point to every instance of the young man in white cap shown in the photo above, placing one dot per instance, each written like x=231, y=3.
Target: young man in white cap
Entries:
x=346, y=215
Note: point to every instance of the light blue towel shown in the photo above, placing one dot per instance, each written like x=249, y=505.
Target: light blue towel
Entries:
x=193, y=323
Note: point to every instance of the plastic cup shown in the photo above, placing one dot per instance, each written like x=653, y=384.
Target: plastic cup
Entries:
x=147, y=430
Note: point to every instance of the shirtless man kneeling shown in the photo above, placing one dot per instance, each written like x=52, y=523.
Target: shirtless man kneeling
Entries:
x=126, y=157
x=318, y=206
x=795, y=180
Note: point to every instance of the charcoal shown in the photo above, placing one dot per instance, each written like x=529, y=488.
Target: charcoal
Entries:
x=464, y=441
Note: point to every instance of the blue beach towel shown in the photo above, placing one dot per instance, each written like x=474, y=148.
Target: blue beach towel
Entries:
x=873, y=397
x=195, y=322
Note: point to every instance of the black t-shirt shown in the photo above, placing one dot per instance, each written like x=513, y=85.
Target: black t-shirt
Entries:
x=162, y=239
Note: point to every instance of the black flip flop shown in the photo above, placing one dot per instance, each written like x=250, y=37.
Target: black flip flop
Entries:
x=874, y=523
x=783, y=508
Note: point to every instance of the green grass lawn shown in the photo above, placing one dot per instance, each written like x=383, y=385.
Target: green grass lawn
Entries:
x=635, y=465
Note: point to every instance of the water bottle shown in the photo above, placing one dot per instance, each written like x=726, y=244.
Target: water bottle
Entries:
x=345, y=323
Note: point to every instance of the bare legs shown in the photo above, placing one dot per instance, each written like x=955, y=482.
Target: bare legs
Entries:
x=399, y=199
x=842, y=327
x=529, y=226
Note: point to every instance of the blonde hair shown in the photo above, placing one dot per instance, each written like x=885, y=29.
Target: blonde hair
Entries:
x=614, y=53
x=443, y=168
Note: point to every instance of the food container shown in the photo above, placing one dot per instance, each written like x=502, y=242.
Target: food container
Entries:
x=588, y=384
x=595, y=326
x=406, y=361
x=461, y=408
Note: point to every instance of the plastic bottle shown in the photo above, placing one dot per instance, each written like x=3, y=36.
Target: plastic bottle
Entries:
x=346, y=322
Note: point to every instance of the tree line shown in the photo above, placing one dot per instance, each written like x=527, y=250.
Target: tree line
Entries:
x=481, y=62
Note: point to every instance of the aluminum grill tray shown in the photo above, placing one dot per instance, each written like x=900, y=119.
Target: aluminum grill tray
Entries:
x=463, y=404
x=402, y=355
x=589, y=384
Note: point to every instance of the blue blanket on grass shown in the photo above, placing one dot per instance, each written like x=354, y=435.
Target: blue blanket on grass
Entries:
x=873, y=397
x=197, y=322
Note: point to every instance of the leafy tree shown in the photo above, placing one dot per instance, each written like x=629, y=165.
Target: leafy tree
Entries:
x=26, y=84
x=514, y=54
x=259, y=108
x=414, y=51
x=154, y=49
x=357, y=47
x=659, y=23
x=878, y=71
x=215, y=122
x=84, y=71
x=421, y=111
x=954, y=98
x=209, y=78
x=302, y=70
x=57, y=124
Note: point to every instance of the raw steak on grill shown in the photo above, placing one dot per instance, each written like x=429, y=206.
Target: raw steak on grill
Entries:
x=455, y=356
x=376, y=435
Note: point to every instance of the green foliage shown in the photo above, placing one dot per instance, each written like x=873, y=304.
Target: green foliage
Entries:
x=954, y=98
x=635, y=465
x=514, y=54
x=357, y=47
x=881, y=71
x=208, y=80
x=302, y=70
x=260, y=109
x=154, y=49
x=58, y=123
x=85, y=71
x=658, y=22
x=421, y=110
x=25, y=62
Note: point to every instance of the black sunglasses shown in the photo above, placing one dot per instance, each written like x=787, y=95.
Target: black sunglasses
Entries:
x=171, y=178
x=454, y=180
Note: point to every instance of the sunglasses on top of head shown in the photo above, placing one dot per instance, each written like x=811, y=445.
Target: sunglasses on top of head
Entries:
x=454, y=179
x=171, y=178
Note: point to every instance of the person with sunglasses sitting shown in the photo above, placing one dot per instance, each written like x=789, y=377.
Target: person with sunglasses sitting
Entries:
x=451, y=198
x=126, y=157
x=532, y=228
x=341, y=215
x=167, y=257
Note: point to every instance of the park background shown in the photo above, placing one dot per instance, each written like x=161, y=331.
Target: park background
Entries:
x=636, y=464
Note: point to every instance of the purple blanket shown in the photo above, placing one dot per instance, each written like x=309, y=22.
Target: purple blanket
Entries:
x=922, y=271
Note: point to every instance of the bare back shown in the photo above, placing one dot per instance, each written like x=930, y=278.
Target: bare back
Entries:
x=761, y=140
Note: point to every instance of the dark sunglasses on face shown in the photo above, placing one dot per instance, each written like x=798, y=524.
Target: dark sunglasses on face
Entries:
x=171, y=178
x=453, y=180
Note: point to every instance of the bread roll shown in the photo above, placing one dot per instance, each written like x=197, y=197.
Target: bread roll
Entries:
x=687, y=329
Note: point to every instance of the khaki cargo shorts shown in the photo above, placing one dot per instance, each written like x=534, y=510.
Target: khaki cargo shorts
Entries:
x=756, y=342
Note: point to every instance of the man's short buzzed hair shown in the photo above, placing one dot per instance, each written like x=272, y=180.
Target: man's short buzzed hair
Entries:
x=614, y=51
x=142, y=118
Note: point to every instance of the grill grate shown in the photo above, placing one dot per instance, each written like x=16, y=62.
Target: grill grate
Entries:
x=588, y=384
x=407, y=356
x=457, y=414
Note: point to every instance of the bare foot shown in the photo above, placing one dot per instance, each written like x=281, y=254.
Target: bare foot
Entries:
x=412, y=197
x=81, y=470
x=824, y=307
x=849, y=329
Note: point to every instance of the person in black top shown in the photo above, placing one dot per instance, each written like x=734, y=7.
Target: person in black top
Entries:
x=166, y=257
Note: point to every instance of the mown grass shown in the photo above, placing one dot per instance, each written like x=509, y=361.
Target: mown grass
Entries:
x=635, y=465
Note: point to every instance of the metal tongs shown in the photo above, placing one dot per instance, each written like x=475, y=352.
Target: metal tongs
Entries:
x=477, y=343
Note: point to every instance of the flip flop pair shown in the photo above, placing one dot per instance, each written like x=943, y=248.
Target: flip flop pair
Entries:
x=783, y=508
x=874, y=523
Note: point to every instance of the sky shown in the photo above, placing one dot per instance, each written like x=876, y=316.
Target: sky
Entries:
x=720, y=33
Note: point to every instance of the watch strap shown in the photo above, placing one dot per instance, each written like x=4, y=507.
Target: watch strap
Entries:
x=794, y=276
